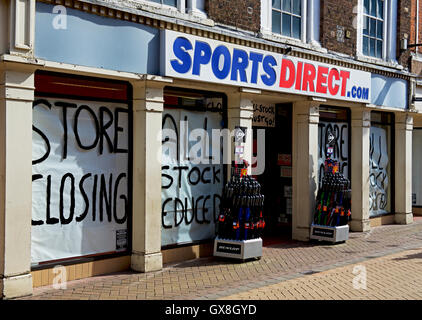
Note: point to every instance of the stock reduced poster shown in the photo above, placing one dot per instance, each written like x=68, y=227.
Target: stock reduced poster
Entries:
x=80, y=174
x=192, y=179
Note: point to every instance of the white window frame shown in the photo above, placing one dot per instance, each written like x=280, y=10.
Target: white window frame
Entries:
x=389, y=32
x=310, y=22
x=179, y=7
x=187, y=7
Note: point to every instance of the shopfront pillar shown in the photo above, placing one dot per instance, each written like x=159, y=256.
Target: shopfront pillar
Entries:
x=403, y=168
x=305, y=166
x=146, y=223
x=361, y=124
x=16, y=98
x=240, y=114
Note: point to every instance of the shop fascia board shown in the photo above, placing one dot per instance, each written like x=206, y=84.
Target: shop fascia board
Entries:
x=298, y=49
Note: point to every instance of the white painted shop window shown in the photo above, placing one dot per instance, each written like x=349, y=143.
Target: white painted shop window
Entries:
x=377, y=29
x=291, y=19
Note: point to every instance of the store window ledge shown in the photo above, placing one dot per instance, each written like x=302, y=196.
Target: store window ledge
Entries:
x=291, y=41
x=389, y=64
x=168, y=11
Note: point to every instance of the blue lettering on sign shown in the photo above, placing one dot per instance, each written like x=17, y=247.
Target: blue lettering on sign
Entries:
x=180, y=46
x=239, y=65
x=221, y=51
x=202, y=56
x=359, y=92
x=256, y=58
x=223, y=63
x=268, y=64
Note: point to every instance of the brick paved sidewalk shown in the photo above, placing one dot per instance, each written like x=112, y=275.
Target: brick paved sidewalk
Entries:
x=395, y=277
x=211, y=278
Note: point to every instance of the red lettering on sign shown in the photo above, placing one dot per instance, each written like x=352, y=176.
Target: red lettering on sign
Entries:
x=299, y=75
x=287, y=82
x=308, y=77
x=344, y=75
x=332, y=86
x=322, y=79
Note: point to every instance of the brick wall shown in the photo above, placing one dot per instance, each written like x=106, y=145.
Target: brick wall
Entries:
x=337, y=32
x=403, y=30
x=413, y=10
x=242, y=14
x=416, y=66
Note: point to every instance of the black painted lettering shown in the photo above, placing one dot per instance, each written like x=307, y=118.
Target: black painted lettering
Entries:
x=42, y=135
x=64, y=106
x=105, y=198
x=176, y=202
x=36, y=222
x=103, y=129
x=118, y=129
x=69, y=219
x=198, y=176
x=169, y=177
x=84, y=195
x=164, y=213
x=123, y=197
x=76, y=131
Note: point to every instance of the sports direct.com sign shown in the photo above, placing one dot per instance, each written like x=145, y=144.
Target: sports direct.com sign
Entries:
x=191, y=57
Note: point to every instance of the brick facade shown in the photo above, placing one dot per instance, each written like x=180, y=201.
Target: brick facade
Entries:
x=403, y=30
x=416, y=65
x=337, y=17
x=338, y=22
x=413, y=17
x=242, y=14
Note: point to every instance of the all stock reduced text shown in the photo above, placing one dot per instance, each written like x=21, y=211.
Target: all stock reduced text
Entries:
x=208, y=175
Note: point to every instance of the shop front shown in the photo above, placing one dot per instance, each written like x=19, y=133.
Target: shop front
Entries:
x=81, y=173
x=125, y=160
x=193, y=173
x=292, y=102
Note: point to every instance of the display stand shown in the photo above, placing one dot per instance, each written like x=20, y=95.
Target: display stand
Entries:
x=333, y=207
x=240, y=222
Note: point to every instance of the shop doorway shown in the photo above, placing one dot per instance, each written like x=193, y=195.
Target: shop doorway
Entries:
x=276, y=180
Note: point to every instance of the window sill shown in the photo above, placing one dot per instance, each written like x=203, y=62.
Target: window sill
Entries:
x=416, y=56
x=193, y=16
x=378, y=61
x=292, y=41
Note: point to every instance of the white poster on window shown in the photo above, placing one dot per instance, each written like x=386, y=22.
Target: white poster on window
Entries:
x=80, y=176
x=340, y=131
x=378, y=172
x=263, y=115
x=191, y=192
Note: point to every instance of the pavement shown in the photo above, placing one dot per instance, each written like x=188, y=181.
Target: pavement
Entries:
x=384, y=263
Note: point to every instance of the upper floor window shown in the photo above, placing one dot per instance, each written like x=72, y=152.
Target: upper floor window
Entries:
x=291, y=19
x=172, y=3
x=373, y=28
x=377, y=31
x=192, y=7
x=287, y=18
